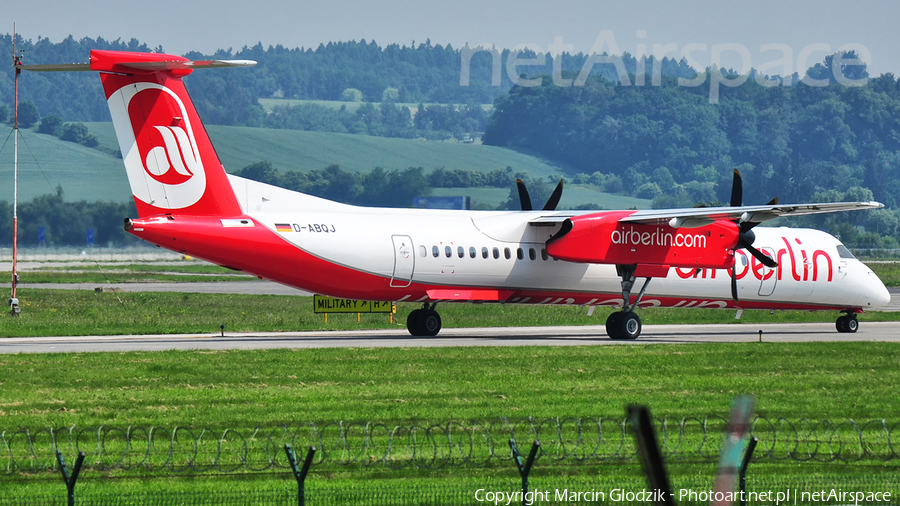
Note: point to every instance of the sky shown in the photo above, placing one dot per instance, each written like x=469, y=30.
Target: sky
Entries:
x=795, y=34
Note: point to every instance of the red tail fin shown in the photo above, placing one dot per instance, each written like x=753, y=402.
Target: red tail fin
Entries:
x=171, y=163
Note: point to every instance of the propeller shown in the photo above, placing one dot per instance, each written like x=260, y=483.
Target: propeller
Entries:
x=745, y=234
x=525, y=199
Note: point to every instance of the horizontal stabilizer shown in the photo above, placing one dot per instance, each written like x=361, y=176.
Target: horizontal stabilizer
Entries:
x=100, y=64
x=57, y=67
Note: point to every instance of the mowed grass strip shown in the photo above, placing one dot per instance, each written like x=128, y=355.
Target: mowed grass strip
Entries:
x=114, y=277
x=245, y=389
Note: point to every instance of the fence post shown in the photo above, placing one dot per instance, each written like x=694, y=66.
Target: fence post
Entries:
x=300, y=474
x=651, y=458
x=751, y=445
x=524, y=468
x=70, y=479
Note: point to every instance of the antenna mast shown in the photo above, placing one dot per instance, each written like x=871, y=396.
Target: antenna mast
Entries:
x=13, y=300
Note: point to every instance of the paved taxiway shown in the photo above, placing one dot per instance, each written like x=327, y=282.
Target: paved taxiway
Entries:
x=512, y=336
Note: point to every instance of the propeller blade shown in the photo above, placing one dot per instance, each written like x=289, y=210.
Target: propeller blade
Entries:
x=553, y=201
x=734, y=295
x=737, y=190
x=762, y=257
x=524, y=199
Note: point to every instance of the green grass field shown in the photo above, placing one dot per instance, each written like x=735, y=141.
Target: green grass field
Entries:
x=242, y=390
x=245, y=389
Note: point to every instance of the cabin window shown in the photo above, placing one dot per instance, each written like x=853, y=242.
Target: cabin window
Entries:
x=460, y=251
x=496, y=253
x=532, y=254
x=422, y=251
x=471, y=251
x=484, y=252
x=435, y=251
x=520, y=254
x=448, y=251
x=544, y=255
x=506, y=253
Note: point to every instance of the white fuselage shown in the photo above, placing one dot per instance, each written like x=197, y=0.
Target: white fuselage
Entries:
x=502, y=250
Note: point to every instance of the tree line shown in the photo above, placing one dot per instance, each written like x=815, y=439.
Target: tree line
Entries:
x=385, y=188
x=66, y=223
x=669, y=143
x=387, y=119
x=417, y=73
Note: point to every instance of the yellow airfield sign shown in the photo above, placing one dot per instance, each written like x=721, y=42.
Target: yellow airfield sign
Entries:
x=323, y=304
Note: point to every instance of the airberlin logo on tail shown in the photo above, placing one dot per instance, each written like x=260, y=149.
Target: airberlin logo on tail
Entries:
x=176, y=161
x=161, y=155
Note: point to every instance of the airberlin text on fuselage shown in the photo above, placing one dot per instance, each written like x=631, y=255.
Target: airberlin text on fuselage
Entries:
x=657, y=238
x=802, y=266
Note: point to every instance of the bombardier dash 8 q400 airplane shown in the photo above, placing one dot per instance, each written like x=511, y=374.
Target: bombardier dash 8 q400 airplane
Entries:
x=187, y=203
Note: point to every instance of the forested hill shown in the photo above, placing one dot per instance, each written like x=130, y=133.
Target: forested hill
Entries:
x=421, y=72
x=795, y=142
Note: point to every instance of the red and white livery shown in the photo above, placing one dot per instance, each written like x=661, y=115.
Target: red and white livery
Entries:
x=706, y=257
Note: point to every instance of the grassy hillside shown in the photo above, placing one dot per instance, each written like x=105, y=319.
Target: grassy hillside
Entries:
x=45, y=162
x=298, y=150
x=89, y=174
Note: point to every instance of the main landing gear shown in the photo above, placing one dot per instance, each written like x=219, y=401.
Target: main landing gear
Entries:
x=626, y=324
x=424, y=322
x=847, y=323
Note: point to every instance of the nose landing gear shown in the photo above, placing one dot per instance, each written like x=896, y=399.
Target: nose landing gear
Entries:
x=626, y=324
x=847, y=323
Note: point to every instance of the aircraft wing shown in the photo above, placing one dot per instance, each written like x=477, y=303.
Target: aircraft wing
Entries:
x=747, y=214
x=700, y=216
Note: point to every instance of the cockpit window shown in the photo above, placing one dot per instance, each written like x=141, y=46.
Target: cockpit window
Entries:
x=844, y=252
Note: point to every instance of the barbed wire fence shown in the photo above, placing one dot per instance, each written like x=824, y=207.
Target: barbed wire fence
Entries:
x=433, y=446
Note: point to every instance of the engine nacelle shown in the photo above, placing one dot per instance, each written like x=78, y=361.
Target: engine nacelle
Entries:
x=601, y=239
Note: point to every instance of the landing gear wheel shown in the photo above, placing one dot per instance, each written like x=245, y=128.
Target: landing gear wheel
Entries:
x=629, y=326
x=847, y=324
x=430, y=323
x=414, y=322
x=841, y=324
x=612, y=325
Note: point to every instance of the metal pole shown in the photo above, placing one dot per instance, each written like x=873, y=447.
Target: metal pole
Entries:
x=13, y=300
x=70, y=479
x=524, y=468
x=300, y=474
x=751, y=445
x=651, y=458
